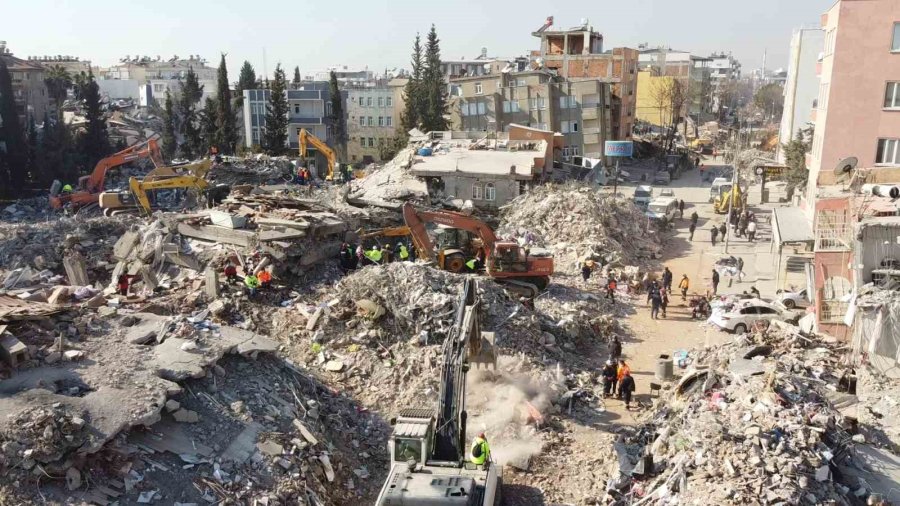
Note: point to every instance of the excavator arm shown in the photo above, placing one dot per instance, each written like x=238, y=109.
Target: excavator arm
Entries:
x=198, y=169
x=139, y=188
x=306, y=139
x=416, y=221
x=383, y=232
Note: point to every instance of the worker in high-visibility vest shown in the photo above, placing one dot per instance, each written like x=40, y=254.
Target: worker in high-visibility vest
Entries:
x=374, y=255
x=401, y=253
x=67, y=188
x=481, y=450
x=252, y=284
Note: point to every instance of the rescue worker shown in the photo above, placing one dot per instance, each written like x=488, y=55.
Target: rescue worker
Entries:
x=609, y=378
x=586, y=268
x=230, y=272
x=684, y=285
x=667, y=280
x=386, y=254
x=401, y=253
x=265, y=279
x=626, y=389
x=345, y=256
x=481, y=451
x=67, y=188
x=621, y=371
x=374, y=254
x=472, y=264
x=252, y=284
x=123, y=283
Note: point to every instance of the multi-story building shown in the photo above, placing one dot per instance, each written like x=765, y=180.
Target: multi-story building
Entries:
x=801, y=86
x=857, y=114
x=73, y=65
x=30, y=92
x=309, y=107
x=149, y=79
x=373, y=116
x=345, y=75
x=723, y=67
x=576, y=54
x=692, y=71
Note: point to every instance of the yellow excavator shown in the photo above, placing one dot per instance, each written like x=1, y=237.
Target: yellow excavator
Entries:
x=733, y=195
x=306, y=139
x=139, y=188
x=179, y=176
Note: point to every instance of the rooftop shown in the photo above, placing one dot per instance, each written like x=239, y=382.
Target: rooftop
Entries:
x=456, y=156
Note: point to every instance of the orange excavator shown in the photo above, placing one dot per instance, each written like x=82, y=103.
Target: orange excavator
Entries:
x=523, y=271
x=90, y=187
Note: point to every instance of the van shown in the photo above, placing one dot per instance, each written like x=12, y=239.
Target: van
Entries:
x=662, y=209
x=642, y=196
x=718, y=185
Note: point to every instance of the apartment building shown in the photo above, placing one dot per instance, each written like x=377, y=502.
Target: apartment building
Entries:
x=857, y=114
x=31, y=96
x=576, y=54
x=692, y=71
x=373, y=116
x=801, y=85
x=344, y=74
x=148, y=79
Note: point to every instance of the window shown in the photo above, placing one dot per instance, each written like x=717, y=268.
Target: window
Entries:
x=380, y=120
x=370, y=121
x=481, y=108
x=388, y=121
x=159, y=88
x=389, y=102
x=362, y=101
x=895, y=42
x=510, y=106
x=371, y=142
x=568, y=126
x=566, y=152
x=567, y=102
x=380, y=101
x=892, y=95
x=296, y=108
x=369, y=102
x=477, y=192
x=520, y=82
x=478, y=89
x=574, y=150
x=362, y=121
x=888, y=152
x=490, y=193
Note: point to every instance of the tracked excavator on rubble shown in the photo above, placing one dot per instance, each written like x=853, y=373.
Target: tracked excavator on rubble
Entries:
x=189, y=176
x=90, y=187
x=523, y=271
x=429, y=465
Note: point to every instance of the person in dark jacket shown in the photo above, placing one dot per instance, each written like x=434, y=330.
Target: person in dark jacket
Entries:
x=681, y=208
x=691, y=229
x=713, y=233
x=667, y=280
x=626, y=389
x=615, y=348
x=715, y=281
x=655, y=298
x=723, y=230
x=609, y=378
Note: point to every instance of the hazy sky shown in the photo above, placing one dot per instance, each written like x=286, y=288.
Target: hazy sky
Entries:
x=379, y=33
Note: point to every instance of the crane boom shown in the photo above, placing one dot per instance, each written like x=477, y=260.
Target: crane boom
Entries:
x=306, y=138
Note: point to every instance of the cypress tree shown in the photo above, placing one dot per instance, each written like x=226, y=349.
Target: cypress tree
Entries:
x=226, y=123
x=169, y=138
x=14, y=160
x=411, y=116
x=31, y=149
x=434, y=92
x=277, y=114
x=297, y=75
x=246, y=81
x=95, y=140
x=191, y=93
x=336, y=118
x=209, y=129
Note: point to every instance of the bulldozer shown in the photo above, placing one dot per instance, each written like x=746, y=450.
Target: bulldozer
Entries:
x=428, y=446
x=525, y=272
x=734, y=195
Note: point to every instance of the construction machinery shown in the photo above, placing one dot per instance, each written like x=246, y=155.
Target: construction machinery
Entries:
x=139, y=188
x=734, y=195
x=306, y=139
x=112, y=201
x=90, y=187
x=428, y=447
x=522, y=270
x=400, y=231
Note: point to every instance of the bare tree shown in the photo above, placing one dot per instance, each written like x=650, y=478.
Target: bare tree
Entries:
x=669, y=95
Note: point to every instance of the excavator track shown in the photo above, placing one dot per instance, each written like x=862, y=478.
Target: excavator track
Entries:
x=529, y=287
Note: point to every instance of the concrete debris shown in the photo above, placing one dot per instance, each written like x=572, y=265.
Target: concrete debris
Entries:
x=389, y=186
x=580, y=222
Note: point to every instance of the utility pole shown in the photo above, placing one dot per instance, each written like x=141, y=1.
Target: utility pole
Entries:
x=734, y=183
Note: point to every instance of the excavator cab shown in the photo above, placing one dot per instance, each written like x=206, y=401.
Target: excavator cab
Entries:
x=509, y=257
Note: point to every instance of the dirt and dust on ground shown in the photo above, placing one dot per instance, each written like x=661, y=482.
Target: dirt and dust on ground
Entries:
x=189, y=388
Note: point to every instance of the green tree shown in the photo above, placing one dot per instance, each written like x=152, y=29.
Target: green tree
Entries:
x=58, y=82
x=55, y=158
x=277, y=114
x=170, y=127
x=411, y=116
x=296, y=80
x=32, y=148
x=246, y=81
x=94, y=141
x=769, y=99
x=209, y=128
x=15, y=158
x=336, y=119
x=388, y=148
x=434, y=89
x=79, y=83
x=795, y=158
x=226, y=122
x=190, y=95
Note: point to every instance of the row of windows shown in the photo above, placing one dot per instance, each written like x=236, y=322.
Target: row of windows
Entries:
x=382, y=102
x=568, y=127
x=382, y=121
x=570, y=151
x=484, y=192
x=365, y=141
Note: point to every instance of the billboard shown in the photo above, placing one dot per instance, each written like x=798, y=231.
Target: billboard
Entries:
x=618, y=148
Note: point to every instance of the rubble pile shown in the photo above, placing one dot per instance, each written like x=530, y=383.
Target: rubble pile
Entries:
x=253, y=170
x=578, y=222
x=42, y=434
x=27, y=210
x=753, y=422
x=390, y=185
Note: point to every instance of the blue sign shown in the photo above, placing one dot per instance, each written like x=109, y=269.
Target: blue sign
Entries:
x=618, y=148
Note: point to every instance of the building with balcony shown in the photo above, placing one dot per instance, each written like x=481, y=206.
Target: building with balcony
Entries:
x=30, y=92
x=801, y=85
x=373, y=116
x=692, y=71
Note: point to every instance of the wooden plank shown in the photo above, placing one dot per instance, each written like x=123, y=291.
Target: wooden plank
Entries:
x=213, y=233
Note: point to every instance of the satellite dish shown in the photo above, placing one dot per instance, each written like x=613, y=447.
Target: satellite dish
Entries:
x=844, y=169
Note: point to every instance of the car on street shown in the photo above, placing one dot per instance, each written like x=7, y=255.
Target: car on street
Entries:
x=662, y=210
x=745, y=313
x=643, y=194
x=667, y=192
x=793, y=298
x=662, y=177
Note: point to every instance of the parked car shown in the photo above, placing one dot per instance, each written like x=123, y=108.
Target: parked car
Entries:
x=662, y=209
x=662, y=177
x=793, y=298
x=667, y=192
x=643, y=194
x=747, y=312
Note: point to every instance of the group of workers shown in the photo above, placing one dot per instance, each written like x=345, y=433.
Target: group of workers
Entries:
x=350, y=257
x=253, y=281
x=617, y=380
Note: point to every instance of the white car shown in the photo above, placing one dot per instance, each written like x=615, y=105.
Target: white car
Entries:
x=745, y=313
x=792, y=299
x=667, y=192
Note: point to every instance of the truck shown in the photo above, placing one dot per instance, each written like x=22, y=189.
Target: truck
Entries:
x=428, y=464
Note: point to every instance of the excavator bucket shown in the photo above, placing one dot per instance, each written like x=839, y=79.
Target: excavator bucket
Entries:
x=481, y=345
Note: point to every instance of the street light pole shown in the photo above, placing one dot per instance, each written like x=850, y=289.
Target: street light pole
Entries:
x=734, y=180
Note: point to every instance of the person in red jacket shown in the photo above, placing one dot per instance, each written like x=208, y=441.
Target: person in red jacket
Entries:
x=230, y=272
x=123, y=283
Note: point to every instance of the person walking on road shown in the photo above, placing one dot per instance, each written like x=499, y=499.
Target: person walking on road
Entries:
x=742, y=225
x=626, y=389
x=681, y=208
x=667, y=280
x=615, y=348
x=655, y=299
x=609, y=378
x=723, y=230
x=715, y=281
x=751, y=231
x=663, y=302
x=684, y=285
x=621, y=371
x=691, y=229
x=713, y=233
x=694, y=217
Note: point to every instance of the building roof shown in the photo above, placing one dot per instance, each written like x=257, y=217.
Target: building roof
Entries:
x=459, y=158
x=792, y=226
x=20, y=65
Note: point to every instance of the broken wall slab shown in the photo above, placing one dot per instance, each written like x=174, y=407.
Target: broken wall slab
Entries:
x=213, y=233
